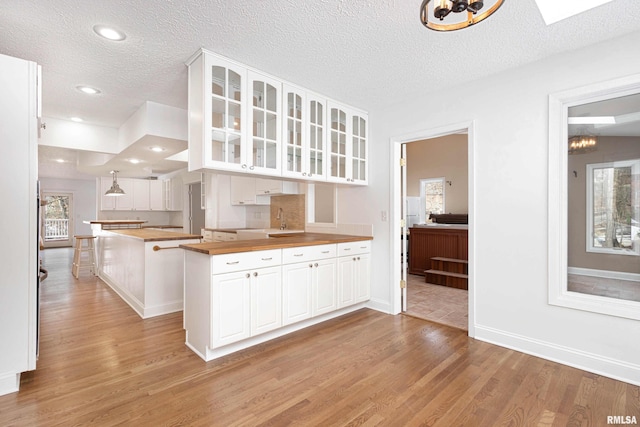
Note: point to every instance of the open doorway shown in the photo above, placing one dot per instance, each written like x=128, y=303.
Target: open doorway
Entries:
x=57, y=221
x=402, y=250
x=436, y=204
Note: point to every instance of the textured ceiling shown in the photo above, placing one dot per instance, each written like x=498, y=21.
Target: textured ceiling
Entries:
x=367, y=53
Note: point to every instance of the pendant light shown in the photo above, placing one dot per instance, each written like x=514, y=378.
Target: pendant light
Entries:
x=115, y=189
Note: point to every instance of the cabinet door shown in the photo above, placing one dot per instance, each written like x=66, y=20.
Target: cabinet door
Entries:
x=243, y=190
x=156, y=196
x=230, y=308
x=296, y=292
x=346, y=281
x=265, y=120
x=316, y=153
x=325, y=296
x=358, y=172
x=125, y=201
x=337, y=144
x=225, y=110
x=266, y=300
x=106, y=202
x=294, y=129
x=140, y=195
x=363, y=278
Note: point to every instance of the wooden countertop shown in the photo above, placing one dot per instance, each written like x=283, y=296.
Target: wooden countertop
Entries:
x=149, y=235
x=282, y=241
x=161, y=226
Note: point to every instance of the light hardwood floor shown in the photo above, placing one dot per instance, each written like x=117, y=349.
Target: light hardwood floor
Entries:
x=101, y=365
x=612, y=288
x=440, y=304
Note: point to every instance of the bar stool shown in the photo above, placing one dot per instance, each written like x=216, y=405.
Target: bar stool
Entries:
x=83, y=262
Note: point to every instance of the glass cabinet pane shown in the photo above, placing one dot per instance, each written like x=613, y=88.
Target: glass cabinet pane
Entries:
x=234, y=116
x=217, y=146
x=217, y=113
x=271, y=95
x=218, y=80
x=234, y=149
x=235, y=86
x=271, y=126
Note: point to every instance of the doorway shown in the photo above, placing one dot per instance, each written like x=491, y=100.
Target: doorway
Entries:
x=196, y=212
x=400, y=210
x=57, y=221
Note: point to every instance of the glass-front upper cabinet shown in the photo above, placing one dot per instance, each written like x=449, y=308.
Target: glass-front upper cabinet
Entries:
x=265, y=117
x=347, y=145
x=217, y=108
x=304, y=134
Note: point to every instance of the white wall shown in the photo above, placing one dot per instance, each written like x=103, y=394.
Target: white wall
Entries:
x=510, y=114
x=84, y=199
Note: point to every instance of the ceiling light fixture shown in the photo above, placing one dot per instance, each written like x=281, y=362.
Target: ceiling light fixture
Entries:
x=157, y=149
x=109, y=33
x=466, y=13
x=115, y=189
x=60, y=160
x=134, y=161
x=76, y=119
x=88, y=90
x=582, y=144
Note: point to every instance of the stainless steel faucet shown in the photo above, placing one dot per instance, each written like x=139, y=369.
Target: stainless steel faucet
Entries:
x=280, y=216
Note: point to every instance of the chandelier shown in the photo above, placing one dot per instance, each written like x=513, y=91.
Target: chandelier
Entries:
x=582, y=144
x=466, y=13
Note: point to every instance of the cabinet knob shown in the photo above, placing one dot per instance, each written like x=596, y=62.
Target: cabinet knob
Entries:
x=304, y=174
x=251, y=167
x=248, y=275
x=255, y=274
x=358, y=258
x=316, y=264
x=354, y=258
x=310, y=265
x=244, y=166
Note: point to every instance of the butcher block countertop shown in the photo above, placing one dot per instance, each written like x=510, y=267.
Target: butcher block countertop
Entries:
x=282, y=241
x=149, y=235
x=116, y=221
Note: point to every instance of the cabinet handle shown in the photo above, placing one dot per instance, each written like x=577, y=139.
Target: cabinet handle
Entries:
x=363, y=247
x=324, y=252
x=248, y=275
x=304, y=174
x=347, y=249
x=234, y=262
x=266, y=191
x=251, y=167
x=358, y=258
x=267, y=259
x=316, y=264
x=310, y=265
x=298, y=254
x=244, y=166
x=354, y=258
x=255, y=274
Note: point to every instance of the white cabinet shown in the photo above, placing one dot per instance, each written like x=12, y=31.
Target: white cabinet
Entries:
x=265, y=120
x=266, y=300
x=354, y=264
x=243, y=120
x=304, y=133
x=275, y=186
x=347, y=145
x=140, y=195
x=308, y=282
x=224, y=236
x=230, y=307
x=156, y=195
x=172, y=197
x=243, y=192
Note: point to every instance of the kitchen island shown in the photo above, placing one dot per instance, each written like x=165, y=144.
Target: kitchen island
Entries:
x=145, y=267
x=242, y=293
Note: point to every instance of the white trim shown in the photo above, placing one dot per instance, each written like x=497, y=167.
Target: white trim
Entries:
x=559, y=104
x=605, y=274
x=396, y=203
x=606, y=366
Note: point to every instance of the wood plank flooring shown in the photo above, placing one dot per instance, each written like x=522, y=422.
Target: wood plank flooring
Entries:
x=101, y=365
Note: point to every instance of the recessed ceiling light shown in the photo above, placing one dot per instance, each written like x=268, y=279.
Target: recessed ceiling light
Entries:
x=88, y=89
x=134, y=161
x=76, y=119
x=60, y=160
x=109, y=33
x=157, y=149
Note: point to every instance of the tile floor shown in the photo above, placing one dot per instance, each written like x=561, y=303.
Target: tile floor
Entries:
x=440, y=304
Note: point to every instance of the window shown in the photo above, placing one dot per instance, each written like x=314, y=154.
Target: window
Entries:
x=431, y=197
x=613, y=207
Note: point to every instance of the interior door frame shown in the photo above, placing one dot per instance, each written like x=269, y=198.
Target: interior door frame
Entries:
x=397, y=200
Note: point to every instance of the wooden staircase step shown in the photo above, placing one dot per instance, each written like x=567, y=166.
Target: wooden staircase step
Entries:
x=447, y=278
x=439, y=258
x=447, y=273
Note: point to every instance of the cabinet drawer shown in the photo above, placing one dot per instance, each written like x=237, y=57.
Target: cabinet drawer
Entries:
x=240, y=261
x=353, y=248
x=308, y=253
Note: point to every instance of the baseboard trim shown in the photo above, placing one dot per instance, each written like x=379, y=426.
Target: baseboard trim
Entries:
x=590, y=362
x=379, y=305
